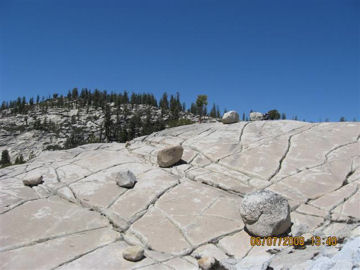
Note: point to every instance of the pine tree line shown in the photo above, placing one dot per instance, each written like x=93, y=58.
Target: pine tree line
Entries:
x=99, y=99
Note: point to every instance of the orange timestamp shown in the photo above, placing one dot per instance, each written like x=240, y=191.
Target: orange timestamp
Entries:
x=292, y=241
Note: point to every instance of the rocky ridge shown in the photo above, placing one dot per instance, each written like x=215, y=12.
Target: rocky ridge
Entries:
x=19, y=134
x=81, y=219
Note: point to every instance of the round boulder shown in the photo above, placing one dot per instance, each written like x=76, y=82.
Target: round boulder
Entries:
x=125, y=179
x=169, y=156
x=133, y=253
x=34, y=181
x=265, y=213
x=230, y=117
x=256, y=116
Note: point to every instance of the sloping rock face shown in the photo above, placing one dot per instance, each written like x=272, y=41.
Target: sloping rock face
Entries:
x=19, y=134
x=79, y=218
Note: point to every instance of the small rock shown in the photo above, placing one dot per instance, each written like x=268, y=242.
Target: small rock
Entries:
x=299, y=229
x=265, y=213
x=125, y=179
x=133, y=253
x=207, y=263
x=256, y=116
x=169, y=156
x=230, y=117
x=31, y=182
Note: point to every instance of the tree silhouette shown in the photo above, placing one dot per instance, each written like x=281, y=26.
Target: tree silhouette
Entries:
x=201, y=103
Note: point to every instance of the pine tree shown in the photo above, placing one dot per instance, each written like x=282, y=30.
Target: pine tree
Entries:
x=201, y=103
x=19, y=159
x=213, y=111
x=243, y=116
x=123, y=135
x=193, y=109
x=274, y=115
x=283, y=116
x=108, y=124
x=164, y=103
x=74, y=93
x=5, y=158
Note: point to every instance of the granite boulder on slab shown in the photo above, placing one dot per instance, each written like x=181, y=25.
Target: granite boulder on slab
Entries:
x=169, y=156
x=133, y=253
x=256, y=116
x=230, y=117
x=33, y=181
x=265, y=213
x=125, y=179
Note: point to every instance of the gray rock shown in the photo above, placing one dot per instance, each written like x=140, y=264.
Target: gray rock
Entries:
x=34, y=181
x=133, y=253
x=230, y=117
x=265, y=213
x=247, y=263
x=347, y=258
x=125, y=179
x=207, y=263
x=256, y=116
x=169, y=156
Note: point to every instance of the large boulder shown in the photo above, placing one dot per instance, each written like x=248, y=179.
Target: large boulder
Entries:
x=125, y=179
x=33, y=181
x=265, y=213
x=230, y=117
x=256, y=116
x=169, y=156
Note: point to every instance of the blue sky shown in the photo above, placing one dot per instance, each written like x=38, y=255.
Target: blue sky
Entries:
x=301, y=57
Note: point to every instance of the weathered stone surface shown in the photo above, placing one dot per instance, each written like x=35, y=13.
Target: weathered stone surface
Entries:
x=60, y=250
x=31, y=182
x=256, y=116
x=169, y=156
x=265, y=213
x=133, y=253
x=81, y=219
x=209, y=250
x=125, y=179
x=230, y=117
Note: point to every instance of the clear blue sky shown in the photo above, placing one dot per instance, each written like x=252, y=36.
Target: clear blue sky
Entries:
x=301, y=57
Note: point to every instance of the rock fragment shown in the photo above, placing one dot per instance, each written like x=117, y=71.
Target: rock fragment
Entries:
x=230, y=117
x=265, y=213
x=256, y=116
x=133, y=253
x=207, y=263
x=125, y=179
x=169, y=156
x=34, y=181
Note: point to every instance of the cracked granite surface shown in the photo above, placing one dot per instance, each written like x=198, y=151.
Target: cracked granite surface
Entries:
x=80, y=219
